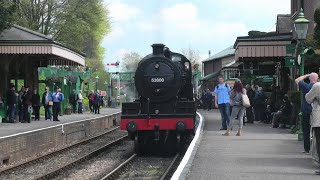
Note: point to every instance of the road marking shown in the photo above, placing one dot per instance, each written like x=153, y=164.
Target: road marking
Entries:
x=191, y=150
x=3, y=137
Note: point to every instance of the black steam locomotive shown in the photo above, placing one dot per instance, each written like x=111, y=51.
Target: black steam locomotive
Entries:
x=164, y=115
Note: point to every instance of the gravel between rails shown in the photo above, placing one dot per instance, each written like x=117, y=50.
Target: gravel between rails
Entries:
x=46, y=165
x=145, y=168
x=100, y=165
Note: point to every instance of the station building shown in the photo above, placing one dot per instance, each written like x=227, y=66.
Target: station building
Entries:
x=23, y=51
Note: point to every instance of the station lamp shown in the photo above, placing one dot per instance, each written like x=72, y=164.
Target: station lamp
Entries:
x=301, y=26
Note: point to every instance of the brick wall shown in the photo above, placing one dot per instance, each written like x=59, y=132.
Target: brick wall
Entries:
x=31, y=144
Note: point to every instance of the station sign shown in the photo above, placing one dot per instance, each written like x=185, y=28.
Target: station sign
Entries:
x=290, y=62
x=103, y=93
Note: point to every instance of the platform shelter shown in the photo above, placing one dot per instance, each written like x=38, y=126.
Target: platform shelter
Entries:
x=23, y=51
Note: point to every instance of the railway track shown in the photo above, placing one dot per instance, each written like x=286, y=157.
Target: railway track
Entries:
x=14, y=170
x=121, y=169
x=55, y=172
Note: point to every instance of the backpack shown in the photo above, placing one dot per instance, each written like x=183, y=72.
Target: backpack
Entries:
x=217, y=87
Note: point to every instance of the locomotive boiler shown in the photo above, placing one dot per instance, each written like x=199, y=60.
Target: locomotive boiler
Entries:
x=164, y=114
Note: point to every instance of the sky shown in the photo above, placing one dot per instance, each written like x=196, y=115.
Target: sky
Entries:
x=201, y=25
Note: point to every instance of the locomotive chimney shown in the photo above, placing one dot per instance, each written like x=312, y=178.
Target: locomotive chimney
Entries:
x=157, y=49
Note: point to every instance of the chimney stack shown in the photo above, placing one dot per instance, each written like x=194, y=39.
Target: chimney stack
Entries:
x=157, y=49
x=209, y=53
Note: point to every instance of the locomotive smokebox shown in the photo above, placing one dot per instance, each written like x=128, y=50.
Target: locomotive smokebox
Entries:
x=157, y=49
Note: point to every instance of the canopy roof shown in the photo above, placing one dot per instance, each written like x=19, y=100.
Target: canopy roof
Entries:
x=19, y=40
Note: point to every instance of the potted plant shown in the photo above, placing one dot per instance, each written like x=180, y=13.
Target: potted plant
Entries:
x=68, y=109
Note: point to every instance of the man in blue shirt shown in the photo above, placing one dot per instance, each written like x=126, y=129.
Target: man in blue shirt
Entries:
x=57, y=98
x=222, y=101
x=306, y=108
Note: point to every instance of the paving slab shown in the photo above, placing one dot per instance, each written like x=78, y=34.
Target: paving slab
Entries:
x=7, y=129
x=261, y=153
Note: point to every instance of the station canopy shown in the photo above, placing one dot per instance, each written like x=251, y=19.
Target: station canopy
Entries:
x=19, y=40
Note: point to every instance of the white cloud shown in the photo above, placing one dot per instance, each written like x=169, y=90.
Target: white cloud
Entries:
x=122, y=12
x=116, y=33
x=121, y=52
x=183, y=21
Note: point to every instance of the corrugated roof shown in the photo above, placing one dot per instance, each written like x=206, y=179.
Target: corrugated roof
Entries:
x=284, y=23
x=224, y=53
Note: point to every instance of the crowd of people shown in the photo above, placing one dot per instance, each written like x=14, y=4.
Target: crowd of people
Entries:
x=23, y=103
x=275, y=109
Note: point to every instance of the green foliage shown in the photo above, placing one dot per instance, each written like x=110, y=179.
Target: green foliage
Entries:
x=316, y=34
x=7, y=9
x=130, y=61
x=77, y=23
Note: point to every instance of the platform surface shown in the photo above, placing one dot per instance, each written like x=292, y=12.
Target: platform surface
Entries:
x=261, y=153
x=7, y=129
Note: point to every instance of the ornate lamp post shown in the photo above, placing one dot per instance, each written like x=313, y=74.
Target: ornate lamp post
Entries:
x=301, y=27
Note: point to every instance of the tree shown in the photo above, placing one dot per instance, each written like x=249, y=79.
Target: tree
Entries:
x=316, y=34
x=130, y=61
x=79, y=24
x=7, y=9
x=193, y=55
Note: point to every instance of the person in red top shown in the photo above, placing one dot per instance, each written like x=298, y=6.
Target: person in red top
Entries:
x=91, y=101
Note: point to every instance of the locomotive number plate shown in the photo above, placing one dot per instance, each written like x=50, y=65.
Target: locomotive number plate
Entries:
x=157, y=80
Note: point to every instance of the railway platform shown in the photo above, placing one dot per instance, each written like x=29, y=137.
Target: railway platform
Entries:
x=19, y=141
x=260, y=153
x=8, y=129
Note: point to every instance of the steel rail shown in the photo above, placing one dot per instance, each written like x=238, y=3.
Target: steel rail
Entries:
x=165, y=174
x=51, y=154
x=115, y=172
x=94, y=153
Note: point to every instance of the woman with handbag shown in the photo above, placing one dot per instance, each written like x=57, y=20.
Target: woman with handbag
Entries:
x=238, y=109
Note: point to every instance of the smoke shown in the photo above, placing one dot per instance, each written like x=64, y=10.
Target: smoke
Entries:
x=130, y=92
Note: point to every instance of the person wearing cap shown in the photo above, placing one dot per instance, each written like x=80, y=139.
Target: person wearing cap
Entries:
x=57, y=98
x=306, y=108
x=47, y=104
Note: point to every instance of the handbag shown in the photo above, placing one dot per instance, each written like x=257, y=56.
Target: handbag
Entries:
x=50, y=103
x=245, y=101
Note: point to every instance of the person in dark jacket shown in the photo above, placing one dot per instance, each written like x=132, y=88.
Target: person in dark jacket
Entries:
x=259, y=103
x=12, y=103
x=73, y=100
x=26, y=101
x=20, y=104
x=249, y=110
x=285, y=111
x=209, y=98
x=47, y=104
x=96, y=102
x=91, y=101
x=36, y=105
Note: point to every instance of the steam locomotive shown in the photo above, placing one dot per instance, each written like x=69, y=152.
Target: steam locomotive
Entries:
x=164, y=114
